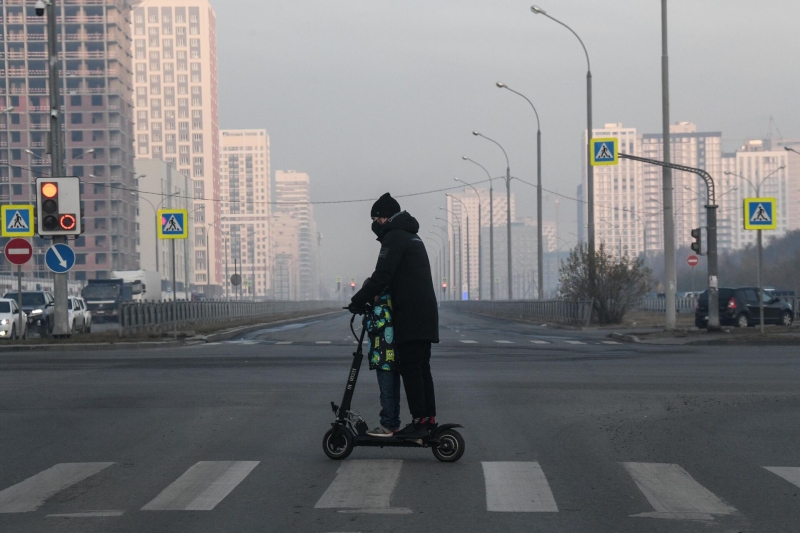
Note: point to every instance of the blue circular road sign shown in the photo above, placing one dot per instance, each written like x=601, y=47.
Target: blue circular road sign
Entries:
x=60, y=258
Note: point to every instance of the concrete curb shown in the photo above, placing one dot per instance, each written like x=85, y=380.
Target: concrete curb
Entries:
x=108, y=346
x=625, y=337
x=530, y=322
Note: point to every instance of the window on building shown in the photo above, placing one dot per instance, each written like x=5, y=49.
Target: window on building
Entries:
x=76, y=100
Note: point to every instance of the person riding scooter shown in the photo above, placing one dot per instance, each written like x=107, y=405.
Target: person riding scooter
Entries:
x=404, y=270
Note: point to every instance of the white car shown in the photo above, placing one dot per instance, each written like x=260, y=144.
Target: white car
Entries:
x=76, y=316
x=87, y=316
x=9, y=320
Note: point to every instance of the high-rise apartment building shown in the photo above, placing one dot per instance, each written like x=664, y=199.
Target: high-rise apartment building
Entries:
x=175, y=69
x=94, y=44
x=465, y=261
x=692, y=149
x=296, y=269
x=245, y=192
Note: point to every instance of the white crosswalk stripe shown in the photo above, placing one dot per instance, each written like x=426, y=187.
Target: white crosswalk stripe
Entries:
x=202, y=487
x=365, y=486
x=31, y=494
x=789, y=473
x=504, y=342
x=674, y=494
x=470, y=342
x=322, y=342
x=285, y=342
x=575, y=342
x=517, y=487
x=611, y=342
x=539, y=342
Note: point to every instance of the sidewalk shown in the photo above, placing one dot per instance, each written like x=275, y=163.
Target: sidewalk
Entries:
x=774, y=335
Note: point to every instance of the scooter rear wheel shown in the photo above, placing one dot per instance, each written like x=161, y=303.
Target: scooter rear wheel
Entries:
x=338, y=446
x=451, y=446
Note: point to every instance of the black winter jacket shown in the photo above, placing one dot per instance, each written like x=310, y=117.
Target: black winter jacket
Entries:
x=404, y=268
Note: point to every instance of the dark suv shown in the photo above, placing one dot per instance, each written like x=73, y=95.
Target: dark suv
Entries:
x=739, y=307
x=39, y=306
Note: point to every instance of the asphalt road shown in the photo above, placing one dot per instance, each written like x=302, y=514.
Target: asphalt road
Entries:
x=565, y=432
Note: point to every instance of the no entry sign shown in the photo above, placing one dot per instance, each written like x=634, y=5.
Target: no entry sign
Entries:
x=693, y=260
x=18, y=251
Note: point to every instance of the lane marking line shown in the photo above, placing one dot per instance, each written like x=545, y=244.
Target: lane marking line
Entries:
x=469, y=342
x=540, y=342
x=789, y=473
x=285, y=342
x=202, y=487
x=611, y=342
x=31, y=494
x=517, y=487
x=88, y=514
x=362, y=484
x=322, y=342
x=504, y=342
x=575, y=342
x=674, y=494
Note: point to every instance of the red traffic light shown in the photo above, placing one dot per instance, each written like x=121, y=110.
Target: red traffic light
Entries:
x=67, y=222
x=352, y=284
x=49, y=190
x=444, y=285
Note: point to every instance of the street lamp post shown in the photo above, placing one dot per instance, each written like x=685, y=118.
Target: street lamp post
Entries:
x=539, y=221
x=491, y=226
x=452, y=248
x=440, y=259
x=508, y=207
x=155, y=214
x=445, y=254
x=469, y=270
x=589, y=168
x=480, y=239
x=757, y=188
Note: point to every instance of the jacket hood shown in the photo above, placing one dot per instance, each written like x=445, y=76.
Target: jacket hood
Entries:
x=401, y=220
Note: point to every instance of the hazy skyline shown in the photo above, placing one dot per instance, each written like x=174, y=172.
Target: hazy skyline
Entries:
x=369, y=98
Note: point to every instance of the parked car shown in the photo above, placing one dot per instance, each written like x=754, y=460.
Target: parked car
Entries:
x=740, y=308
x=9, y=320
x=76, y=317
x=38, y=307
x=87, y=315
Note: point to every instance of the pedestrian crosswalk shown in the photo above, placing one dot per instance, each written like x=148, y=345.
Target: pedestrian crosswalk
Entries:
x=368, y=486
x=521, y=341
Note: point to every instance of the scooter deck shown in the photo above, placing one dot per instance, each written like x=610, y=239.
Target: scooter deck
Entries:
x=393, y=442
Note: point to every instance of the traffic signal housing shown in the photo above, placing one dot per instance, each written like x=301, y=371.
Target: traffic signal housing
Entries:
x=58, y=206
x=697, y=245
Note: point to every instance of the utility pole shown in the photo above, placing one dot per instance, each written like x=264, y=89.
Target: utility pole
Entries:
x=61, y=326
x=669, y=218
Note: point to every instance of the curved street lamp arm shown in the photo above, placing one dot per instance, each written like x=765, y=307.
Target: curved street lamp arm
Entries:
x=538, y=124
x=471, y=186
x=508, y=163
x=540, y=12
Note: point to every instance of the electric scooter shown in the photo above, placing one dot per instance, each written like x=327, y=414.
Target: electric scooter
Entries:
x=349, y=429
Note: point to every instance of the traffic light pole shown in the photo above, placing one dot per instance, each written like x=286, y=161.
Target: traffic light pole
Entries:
x=711, y=218
x=61, y=318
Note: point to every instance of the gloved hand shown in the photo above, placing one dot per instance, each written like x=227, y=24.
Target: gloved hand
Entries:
x=355, y=309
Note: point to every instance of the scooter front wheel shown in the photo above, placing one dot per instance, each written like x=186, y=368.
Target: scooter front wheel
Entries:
x=451, y=446
x=338, y=443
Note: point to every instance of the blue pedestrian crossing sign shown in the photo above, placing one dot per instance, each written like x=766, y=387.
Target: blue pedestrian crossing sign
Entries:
x=17, y=220
x=605, y=151
x=60, y=258
x=173, y=224
x=760, y=213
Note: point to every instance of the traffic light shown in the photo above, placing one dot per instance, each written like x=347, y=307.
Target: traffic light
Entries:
x=444, y=284
x=58, y=206
x=697, y=245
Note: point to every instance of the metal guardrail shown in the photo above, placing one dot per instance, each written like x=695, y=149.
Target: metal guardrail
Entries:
x=555, y=311
x=659, y=305
x=165, y=316
x=29, y=283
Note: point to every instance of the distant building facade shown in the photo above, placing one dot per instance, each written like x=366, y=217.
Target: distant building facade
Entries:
x=245, y=193
x=175, y=73
x=95, y=65
x=295, y=237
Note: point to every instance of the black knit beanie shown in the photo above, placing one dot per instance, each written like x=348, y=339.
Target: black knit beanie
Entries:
x=385, y=207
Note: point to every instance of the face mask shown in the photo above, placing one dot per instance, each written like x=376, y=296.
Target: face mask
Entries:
x=377, y=228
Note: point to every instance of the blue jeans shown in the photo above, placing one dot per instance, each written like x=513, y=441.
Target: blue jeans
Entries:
x=389, y=383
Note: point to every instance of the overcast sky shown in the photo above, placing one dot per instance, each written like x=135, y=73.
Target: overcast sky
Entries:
x=369, y=96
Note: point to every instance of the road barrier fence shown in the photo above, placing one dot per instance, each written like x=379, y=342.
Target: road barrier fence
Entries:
x=572, y=313
x=659, y=305
x=166, y=316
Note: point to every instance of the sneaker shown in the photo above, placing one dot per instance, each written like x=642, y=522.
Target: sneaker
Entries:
x=430, y=424
x=412, y=431
x=381, y=431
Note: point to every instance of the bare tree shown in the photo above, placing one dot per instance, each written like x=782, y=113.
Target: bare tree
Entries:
x=620, y=284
